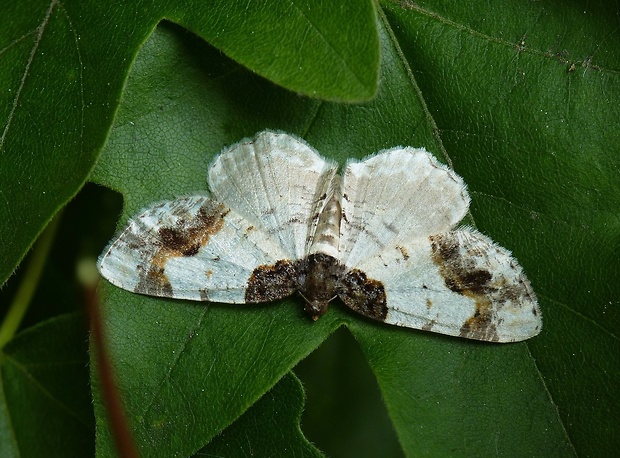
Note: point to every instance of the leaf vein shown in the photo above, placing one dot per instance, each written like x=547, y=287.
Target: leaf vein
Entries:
x=22, y=81
x=166, y=377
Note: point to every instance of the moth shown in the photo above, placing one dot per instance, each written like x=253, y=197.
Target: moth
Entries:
x=381, y=236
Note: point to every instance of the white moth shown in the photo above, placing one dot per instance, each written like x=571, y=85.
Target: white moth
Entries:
x=381, y=237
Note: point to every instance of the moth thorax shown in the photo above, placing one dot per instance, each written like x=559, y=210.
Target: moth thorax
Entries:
x=321, y=284
x=327, y=235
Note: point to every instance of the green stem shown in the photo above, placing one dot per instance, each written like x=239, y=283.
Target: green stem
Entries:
x=29, y=283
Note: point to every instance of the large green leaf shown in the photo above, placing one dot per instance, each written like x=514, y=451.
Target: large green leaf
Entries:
x=532, y=125
x=529, y=110
x=64, y=65
x=177, y=360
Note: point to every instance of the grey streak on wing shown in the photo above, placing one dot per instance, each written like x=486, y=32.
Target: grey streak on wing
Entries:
x=276, y=182
x=394, y=196
x=153, y=281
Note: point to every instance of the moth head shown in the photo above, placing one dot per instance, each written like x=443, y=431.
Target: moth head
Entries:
x=315, y=308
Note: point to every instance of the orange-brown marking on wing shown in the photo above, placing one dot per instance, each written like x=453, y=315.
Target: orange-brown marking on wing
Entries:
x=467, y=281
x=184, y=239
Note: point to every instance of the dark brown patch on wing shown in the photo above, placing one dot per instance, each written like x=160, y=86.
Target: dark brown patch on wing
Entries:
x=458, y=275
x=363, y=294
x=270, y=282
x=188, y=236
x=184, y=239
x=463, y=278
x=481, y=325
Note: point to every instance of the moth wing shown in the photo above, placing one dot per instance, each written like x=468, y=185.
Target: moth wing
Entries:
x=394, y=196
x=276, y=182
x=458, y=283
x=199, y=249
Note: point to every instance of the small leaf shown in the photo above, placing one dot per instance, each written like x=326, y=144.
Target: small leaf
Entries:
x=268, y=428
x=45, y=408
x=318, y=48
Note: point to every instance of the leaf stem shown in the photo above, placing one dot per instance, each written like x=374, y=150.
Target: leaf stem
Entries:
x=29, y=283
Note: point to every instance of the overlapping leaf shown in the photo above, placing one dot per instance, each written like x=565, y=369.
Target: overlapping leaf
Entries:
x=63, y=66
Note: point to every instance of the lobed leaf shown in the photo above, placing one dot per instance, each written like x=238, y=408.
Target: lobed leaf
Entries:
x=64, y=65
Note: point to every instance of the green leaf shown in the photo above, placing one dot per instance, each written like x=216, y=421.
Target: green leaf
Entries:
x=530, y=113
x=317, y=48
x=64, y=65
x=473, y=397
x=45, y=407
x=267, y=428
x=344, y=413
x=187, y=371
x=535, y=139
